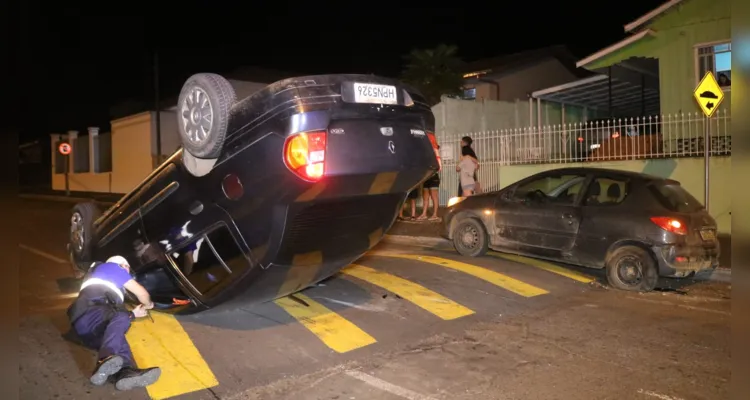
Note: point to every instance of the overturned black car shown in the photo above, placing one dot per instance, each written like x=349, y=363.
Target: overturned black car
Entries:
x=268, y=195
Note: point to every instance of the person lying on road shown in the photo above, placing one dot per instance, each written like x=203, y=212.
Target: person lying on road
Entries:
x=99, y=317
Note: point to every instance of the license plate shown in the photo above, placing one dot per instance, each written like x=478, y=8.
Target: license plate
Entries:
x=708, y=235
x=374, y=94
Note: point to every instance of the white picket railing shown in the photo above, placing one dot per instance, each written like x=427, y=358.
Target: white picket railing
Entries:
x=667, y=136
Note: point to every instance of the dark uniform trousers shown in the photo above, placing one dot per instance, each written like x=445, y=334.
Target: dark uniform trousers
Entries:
x=101, y=323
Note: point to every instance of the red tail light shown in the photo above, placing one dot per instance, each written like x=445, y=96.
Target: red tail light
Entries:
x=670, y=224
x=305, y=154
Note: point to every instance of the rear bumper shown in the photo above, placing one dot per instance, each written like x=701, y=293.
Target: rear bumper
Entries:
x=676, y=261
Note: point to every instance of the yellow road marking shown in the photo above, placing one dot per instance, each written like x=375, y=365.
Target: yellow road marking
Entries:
x=334, y=330
x=382, y=183
x=435, y=303
x=374, y=237
x=164, y=343
x=311, y=193
x=495, y=278
x=303, y=271
x=555, y=269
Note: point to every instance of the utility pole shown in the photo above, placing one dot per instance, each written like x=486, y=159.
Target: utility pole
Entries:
x=157, y=107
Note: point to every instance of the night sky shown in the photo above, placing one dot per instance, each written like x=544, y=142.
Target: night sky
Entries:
x=75, y=61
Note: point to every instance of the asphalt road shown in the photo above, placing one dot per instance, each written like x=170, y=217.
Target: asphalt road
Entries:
x=403, y=323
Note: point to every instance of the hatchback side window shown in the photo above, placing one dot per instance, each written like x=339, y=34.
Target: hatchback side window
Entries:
x=606, y=192
x=557, y=189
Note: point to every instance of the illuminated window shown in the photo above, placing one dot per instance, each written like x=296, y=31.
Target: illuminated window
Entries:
x=470, y=94
x=717, y=59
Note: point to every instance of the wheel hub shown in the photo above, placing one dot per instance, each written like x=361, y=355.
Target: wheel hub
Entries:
x=197, y=115
x=77, y=231
x=469, y=237
x=630, y=271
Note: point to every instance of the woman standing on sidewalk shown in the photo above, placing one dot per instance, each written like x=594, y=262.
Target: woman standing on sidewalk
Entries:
x=466, y=143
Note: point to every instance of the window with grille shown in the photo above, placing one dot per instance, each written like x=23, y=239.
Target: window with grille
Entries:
x=717, y=59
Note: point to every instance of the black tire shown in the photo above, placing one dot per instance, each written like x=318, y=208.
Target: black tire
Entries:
x=632, y=268
x=208, y=99
x=470, y=238
x=81, y=242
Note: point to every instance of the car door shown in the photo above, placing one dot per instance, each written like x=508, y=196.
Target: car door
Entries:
x=120, y=231
x=540, y=215
x=179, y=213
x=601, y=217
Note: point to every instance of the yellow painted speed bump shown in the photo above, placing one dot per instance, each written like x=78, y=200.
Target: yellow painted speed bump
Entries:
x=334, y=330
x=425, y=298
x=495, y=278
x=164, y=343
x=555, y=269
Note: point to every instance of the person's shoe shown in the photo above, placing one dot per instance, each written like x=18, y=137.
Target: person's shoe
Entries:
x=130, y=378
x=105, y=368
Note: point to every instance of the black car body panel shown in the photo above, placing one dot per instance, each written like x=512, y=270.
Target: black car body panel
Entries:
x=580, y=233
x=284, y=233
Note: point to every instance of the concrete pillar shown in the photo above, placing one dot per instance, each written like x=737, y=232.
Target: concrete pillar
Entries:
x=93, y=148
x=72, y=139
x=54, y=137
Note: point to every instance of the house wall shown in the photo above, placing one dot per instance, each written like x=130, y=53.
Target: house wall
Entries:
x=678, y=31
x=695, y=22
x=130, y=160
x=518, y=84
x=455, y=117
x=133, y=144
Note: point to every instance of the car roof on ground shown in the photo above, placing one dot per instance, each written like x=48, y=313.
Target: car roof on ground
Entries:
x=586, y=170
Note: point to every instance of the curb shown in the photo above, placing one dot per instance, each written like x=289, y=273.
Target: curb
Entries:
x=67, y=199
x=720, y=274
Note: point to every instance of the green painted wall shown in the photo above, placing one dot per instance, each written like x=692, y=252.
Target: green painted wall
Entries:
x=692, y=23
x=688, y=171
x=677, y=32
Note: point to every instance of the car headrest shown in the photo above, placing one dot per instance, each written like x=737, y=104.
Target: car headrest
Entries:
x=613, y=191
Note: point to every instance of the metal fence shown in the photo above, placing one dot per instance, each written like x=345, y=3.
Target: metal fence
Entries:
x=666, y=136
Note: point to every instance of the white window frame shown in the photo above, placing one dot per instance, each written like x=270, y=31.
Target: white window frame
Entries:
x=696, y=59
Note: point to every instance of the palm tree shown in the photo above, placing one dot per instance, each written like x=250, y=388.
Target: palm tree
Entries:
x=434, y=72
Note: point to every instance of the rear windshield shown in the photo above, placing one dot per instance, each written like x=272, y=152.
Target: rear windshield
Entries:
x=675, y=198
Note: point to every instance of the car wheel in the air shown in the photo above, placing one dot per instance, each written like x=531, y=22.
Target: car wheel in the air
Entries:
x=470, y=238
x=81, y=238
x=203, y=112
x=632, y=268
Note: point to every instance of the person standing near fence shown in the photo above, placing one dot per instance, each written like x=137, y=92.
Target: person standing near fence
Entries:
x=431, y=187
x=466, y=143
x=467, y=168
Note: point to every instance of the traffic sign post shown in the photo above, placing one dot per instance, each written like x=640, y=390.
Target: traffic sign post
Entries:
x=709, y=96
x=65, y=149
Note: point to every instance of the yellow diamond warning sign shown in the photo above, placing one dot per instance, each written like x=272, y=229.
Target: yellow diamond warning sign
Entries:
x=708, y=94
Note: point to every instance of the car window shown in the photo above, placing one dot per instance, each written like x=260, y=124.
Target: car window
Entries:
x=606, y=192
x=559, y=189
x=198, y=263
x=675, y=198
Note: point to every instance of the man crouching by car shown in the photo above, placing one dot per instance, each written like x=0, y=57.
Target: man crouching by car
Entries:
x=99, y=318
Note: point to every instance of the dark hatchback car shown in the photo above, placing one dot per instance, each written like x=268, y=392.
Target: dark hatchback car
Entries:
x=637, y=226
x=269, y=194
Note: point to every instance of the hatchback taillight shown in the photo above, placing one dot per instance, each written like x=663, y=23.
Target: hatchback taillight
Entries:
x=670, y=224
x=305, y=154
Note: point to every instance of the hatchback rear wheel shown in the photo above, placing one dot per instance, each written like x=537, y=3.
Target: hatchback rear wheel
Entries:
x=470, y=238
x=632, y=268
